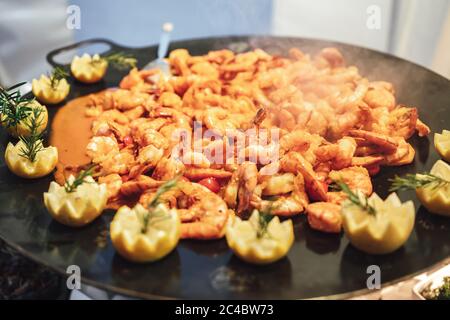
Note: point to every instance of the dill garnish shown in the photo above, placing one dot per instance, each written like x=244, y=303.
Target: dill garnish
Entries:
x=414, y=181
x=79, y=180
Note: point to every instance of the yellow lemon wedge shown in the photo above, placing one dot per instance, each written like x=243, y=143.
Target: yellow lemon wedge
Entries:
x=77, y=208
x=22, y=128
x=140, y=235
x=383, y=232
x=442, y=144
x=88, y=69
x=46, y=93
x=437, y=199
x=44, y=163
x=248, y=243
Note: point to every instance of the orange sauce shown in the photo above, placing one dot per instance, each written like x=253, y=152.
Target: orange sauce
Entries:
x=70, y=133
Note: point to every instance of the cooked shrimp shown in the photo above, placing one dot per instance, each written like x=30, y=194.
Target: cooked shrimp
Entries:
x=203, y=213
x=385, y=143
x=377, y=97
x=119, y=163
x=113, y=184
x=101, y=148
x=402, y=122
x=150, y=155
x=422, y=128
x=301, y=120
x=139, y=185
x=294, y=162
x=248, y=179
x=404, y=154
x=278, y=184
x=286, y=204
x=196, y=174
x=357, y=178
x=340, y=154
x=168, y=168
x=325, y=217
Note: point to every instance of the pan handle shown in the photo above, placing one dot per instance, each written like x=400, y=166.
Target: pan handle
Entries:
x=51, y=55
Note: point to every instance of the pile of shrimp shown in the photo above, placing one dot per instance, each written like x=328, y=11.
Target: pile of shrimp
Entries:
x=334, y=125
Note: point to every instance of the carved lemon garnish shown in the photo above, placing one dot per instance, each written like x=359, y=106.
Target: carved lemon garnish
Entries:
x=52, y=89
x=383, y=230
x=78, y=202
x=442, y=144
x=436, y=196
x=21, y=127
x=88, y=69
x=262, y=239
x=44, y=162
x=145, y=235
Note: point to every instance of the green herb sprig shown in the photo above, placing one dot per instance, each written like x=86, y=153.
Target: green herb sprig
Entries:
x=57, y=75
x=358, y=199
x=416, y=180
x=151, y=215
x=79, y=180
x=13, y=106
x=440, y=293
x=444, y=291
x=118, y=60
x=263, y=222
x=32, y=143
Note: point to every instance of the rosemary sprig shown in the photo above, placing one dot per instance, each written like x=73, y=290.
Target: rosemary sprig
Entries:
x=33, y=142
x=13, y=106
x=79, y=180
x=358, y=199
x=416, y=180
x=263, y=222
x=443, y=293
x=118, y=60
x=151, y=215
x=57, y=75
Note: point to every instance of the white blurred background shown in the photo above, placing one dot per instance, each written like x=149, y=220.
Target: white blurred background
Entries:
x=417, y=30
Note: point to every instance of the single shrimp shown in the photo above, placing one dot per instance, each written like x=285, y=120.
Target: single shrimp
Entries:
x=119, y=163
x=404, y=154
x=287, y=204
x=219, y=120
x=168, y=168
x=325, y=217
x=101, y=148
x=297, y=140
x=136, y=77
x=422, y=129
x=357, y=178
x=385, y=143
x=113, y=184
x=203, y=213
x=248, y=179
x=139, y=185
x=402, y=122
x=150, y=155
x=340, y=154
x=377, y=97
x=294, y=162
x=196, y=174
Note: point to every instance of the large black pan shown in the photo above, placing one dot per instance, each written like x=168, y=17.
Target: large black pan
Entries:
x=318, y=265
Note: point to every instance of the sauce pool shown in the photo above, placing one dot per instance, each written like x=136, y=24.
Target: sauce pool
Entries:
x=70, y=133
